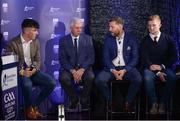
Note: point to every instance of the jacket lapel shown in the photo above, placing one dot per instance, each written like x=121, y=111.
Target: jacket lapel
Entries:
x=20, y=48
x=32, y=49
x=80, y=45
x=125, y=44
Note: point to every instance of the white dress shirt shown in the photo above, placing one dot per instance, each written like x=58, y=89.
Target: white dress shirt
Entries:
x=119, y=60
x=153, y=36
x=26, y=50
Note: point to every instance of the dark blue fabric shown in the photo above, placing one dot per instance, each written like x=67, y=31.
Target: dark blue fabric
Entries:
x=67, y=52
x=38, y=79
x=130, y=52
x=163, y=52
x=149, y=82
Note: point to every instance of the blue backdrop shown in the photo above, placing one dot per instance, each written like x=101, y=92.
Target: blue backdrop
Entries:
x=53, y=17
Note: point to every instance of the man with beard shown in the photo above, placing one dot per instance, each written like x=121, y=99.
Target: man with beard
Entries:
x=120, y=56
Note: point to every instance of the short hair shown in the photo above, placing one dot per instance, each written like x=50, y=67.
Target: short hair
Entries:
x=152, y=17
x=117, y=19
x=29, y=23
x=76, y=20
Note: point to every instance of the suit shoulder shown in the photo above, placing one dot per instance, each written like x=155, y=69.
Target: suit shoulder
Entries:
x=166, y=36
x=86, y=36
x=65, y=37
x=15, y=40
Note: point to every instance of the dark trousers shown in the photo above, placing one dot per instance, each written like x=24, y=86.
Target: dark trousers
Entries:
x=149, y=81
x=41, y=79
x=133, y=76
x=67, y=82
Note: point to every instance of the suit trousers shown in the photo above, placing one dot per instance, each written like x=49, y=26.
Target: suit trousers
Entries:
x=41, y=79
x=149, y=81
x=67, y=82
x=133, y=76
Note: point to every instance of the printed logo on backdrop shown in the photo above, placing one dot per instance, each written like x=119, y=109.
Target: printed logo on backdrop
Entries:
x=5, y=22
x=55, y=21
x=54, y=62
x=6, y=36
x=28, y=8
x=5, y=7
x=78, y=10
x=56, y=75
x=56, y=49
x=54, y=10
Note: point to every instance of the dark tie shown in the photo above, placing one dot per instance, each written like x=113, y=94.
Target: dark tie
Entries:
x=155, y=40
x=76, y=52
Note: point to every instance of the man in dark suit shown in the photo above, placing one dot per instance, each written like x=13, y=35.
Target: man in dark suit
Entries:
x=26, y=46
x=120, y=56
x=158, y=55
x=76, y=59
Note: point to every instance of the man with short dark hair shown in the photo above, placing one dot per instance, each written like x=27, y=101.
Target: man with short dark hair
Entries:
x=120, y=57
x=158, y=56
x=26, y=46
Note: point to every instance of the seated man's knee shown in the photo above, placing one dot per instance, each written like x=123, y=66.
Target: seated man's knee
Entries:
x=171, y=75
x=100, y=80
x=148, y=76
x=90, y=77
x=65, y=80
x=27, y=84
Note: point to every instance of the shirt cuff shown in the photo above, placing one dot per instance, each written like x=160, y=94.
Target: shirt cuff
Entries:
x=157, y=74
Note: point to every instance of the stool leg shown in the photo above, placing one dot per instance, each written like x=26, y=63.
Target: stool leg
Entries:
x=61, y=114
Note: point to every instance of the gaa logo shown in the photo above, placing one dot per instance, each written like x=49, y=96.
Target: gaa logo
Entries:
x=6, y=35
x=5, y=7
x=28, y=8
x=9, y=97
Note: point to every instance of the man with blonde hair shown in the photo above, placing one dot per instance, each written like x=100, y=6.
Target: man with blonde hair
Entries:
x=158, y=56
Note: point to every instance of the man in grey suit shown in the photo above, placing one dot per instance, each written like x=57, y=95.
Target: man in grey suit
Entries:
x=26, y=46
x=76, y=58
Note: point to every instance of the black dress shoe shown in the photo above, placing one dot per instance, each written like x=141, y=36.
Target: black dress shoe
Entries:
x=154, y=108
x=73, y=104
x=84, y=103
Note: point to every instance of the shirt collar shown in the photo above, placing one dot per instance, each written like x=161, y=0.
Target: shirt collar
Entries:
x=24, y=41
x=152, y=36
x=121, y=38
x=73, y=37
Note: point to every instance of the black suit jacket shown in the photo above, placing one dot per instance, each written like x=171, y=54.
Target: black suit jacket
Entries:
x=163, y=52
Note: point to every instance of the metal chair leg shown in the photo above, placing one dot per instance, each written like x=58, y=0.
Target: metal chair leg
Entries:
x=61, y=114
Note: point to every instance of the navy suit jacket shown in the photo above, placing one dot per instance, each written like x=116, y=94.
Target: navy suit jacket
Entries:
x=67, y=52
x=130, y=52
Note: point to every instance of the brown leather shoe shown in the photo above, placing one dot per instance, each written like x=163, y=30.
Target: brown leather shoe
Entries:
x=38, y=114
x=154, y=108
x=30, y=114
x=127, y=107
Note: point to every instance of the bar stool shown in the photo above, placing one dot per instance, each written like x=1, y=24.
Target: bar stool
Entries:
x=125, y=84
x=78, y=88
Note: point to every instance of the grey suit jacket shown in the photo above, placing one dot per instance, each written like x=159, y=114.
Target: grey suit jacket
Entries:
x=15, y=46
